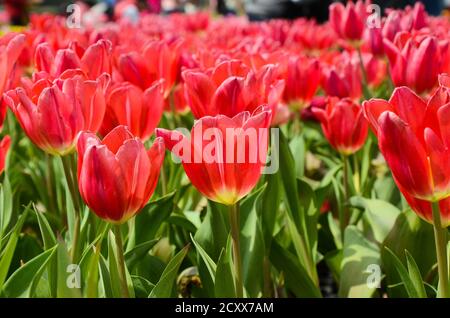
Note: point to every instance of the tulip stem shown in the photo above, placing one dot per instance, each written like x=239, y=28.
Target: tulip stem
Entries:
x=440, y=238
x=235, y=233
x=72, y=185
x=121, y=261
x=365, y=87
x=344, y=215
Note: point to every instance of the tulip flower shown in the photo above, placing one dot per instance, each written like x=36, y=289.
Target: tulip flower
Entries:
x=5, y=143
x=207, y=96
x=224, y=176
x=94, y=61
x=410, y=61
x=343, y=124
x=414, y=139
x=116, y=175
x=349, y=21
x=302, y=80
x=53, y=113
x=140, y=111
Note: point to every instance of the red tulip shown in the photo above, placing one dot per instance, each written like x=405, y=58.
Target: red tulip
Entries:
x=224, y=156
x=53, y=113
x=349, y=21
x=210, y=95
x=302, y=80
x=413, y=138
x=410, y=61
x=343, y=124
x=140, y=111
x=116, y=175
x=95, y=61
x=5, y=143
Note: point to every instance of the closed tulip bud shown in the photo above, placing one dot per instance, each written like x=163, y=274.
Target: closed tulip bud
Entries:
x=223, y=158
x=343, y=124
x=349, y=21
x=414, y=139
x=5, y=143
x=117, y=175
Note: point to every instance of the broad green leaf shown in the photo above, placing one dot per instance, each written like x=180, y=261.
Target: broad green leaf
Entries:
x=405, y=276
x=142, y=287
x=224, y=281
x=270, y=203
x=297, y=147
x=133, y=256
x=165, y=287
x=5, y=205
x=23, y=282
x=8, y=252
x=381, y=215
x=414, y=274
x=297, y=279
x=69, y=276
x=149, y=220
x=114, y=269
x=359, y=255
x=210, y=264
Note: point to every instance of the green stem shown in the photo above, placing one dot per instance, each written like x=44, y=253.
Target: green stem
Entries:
x=365, y=87
x=121, y=262
x=163, y=180
x=72, y=184
x=440, y=238
x=235, y=233
x=344, y=215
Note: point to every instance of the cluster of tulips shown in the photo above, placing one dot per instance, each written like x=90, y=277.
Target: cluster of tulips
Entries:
x=91, y=206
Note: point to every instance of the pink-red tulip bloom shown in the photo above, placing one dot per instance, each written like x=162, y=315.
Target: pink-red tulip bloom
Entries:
x=414, y=139
x=139, y=110
x=117, y=175
x=5, y=143
x=343, y=124
x=349, y=21
x=223, y=158
x=53, y=113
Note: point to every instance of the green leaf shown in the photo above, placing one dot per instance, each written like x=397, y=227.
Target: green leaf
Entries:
x=69, y=277
x=359, y=255
x=149, y=220
x=5, y=205
x=270, y=203
x=381, y=215
x=224, y=281
x=114, y=269
x=210, y=265
x=297, y=147
x=165, y=287
x=133, y=256
x=297, y=279
x=405, y=276
x=142, y=287
x=414, y=274
x=23, y=282
x=48, y=238
x=8, y=252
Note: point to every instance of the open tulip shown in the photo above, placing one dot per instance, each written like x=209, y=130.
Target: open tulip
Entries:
x=343, y=124
x=53, y=113
x=117, y=175
x=413, y=139
x=220, y=158
x=139, y=110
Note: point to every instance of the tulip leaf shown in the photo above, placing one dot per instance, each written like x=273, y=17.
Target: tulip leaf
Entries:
x=133, y=256
x=414, y=274
x=8, y=252
x=224, y=280
x=297, y=279
x=69, y=276
x=165, y=287
x=48, y=238
x=297, y=147
x=409, y=279
x=23, y=282
x=142, y=287
x=359, y=258
x=270, y=202
x=149, y=220
x=210, y=265
x=113, y=267
x=5, y=205
x=381, y=215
